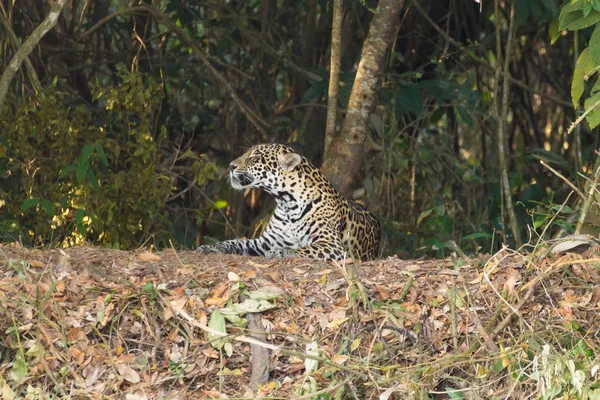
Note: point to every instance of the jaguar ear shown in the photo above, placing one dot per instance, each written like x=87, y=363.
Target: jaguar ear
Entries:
x=289, y=161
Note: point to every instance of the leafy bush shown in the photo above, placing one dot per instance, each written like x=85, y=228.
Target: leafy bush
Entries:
x=74, y=174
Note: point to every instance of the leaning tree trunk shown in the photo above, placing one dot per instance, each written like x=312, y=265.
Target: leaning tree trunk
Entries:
x=346, y=150
x=28, y=47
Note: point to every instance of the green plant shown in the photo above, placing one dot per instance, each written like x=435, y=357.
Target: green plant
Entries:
x=74, y=174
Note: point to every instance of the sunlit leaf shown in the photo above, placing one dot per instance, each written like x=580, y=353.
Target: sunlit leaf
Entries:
x=583, y=67
x=311, y=349
x=217, y=323
x=220, y=204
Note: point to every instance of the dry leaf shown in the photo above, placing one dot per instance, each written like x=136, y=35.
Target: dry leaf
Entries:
x=258, y=265
x=37, y=263
x=596, y=297
x=233, y=277
x=275, y=276
x=146, y=256
x=128, y=373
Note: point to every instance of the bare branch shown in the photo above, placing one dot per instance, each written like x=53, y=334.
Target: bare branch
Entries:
x=35, y=81
x=28, y=46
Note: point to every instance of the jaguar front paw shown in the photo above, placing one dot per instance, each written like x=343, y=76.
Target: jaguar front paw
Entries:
x=208, y=248
x=280, y=253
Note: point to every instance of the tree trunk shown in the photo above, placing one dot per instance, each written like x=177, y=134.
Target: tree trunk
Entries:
x=503, y=115
x=343, y=157
x=28, y=47
x=334, y=72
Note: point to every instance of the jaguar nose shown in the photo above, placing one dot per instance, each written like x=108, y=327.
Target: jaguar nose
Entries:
x=232, y=167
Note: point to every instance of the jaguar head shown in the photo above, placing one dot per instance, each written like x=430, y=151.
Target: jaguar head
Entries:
x=264, y=166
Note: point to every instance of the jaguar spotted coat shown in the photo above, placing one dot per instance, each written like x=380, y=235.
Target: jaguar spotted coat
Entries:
x=311, y=219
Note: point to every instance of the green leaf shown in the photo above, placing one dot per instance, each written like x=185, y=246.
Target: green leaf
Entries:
x=408, y=99
x=576, y=21
x=86, y=153
x=587, y=8
x=79, y=221
x=101, y=155
x=27, y=204
x=596, y=5
x=228, y=349
x=522, y=9
x=438, y=89
x=553, y=32
x=82, y=168
x=477, y=235
x=48, y=206
x=570, y=13
x=19, y=369
x=594, y=46
x=539, y=222
x=216, y=322
x=315, y=91
x=66, y=171
x=583, y=68
x=424, y=215
x=464, y=115
x=91, y=177
x=552, y=158
x=220, y=204
x=593, y=118
x=454, y=393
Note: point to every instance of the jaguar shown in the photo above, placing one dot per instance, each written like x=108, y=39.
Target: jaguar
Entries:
x=311, y=219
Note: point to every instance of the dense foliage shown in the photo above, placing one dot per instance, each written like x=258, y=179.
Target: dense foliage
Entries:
x=121, y=146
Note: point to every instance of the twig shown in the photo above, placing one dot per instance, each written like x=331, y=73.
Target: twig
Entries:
x=28, y=46
x=107, y=18
x=453, y=315
x=585, y=114
x=568, y=182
